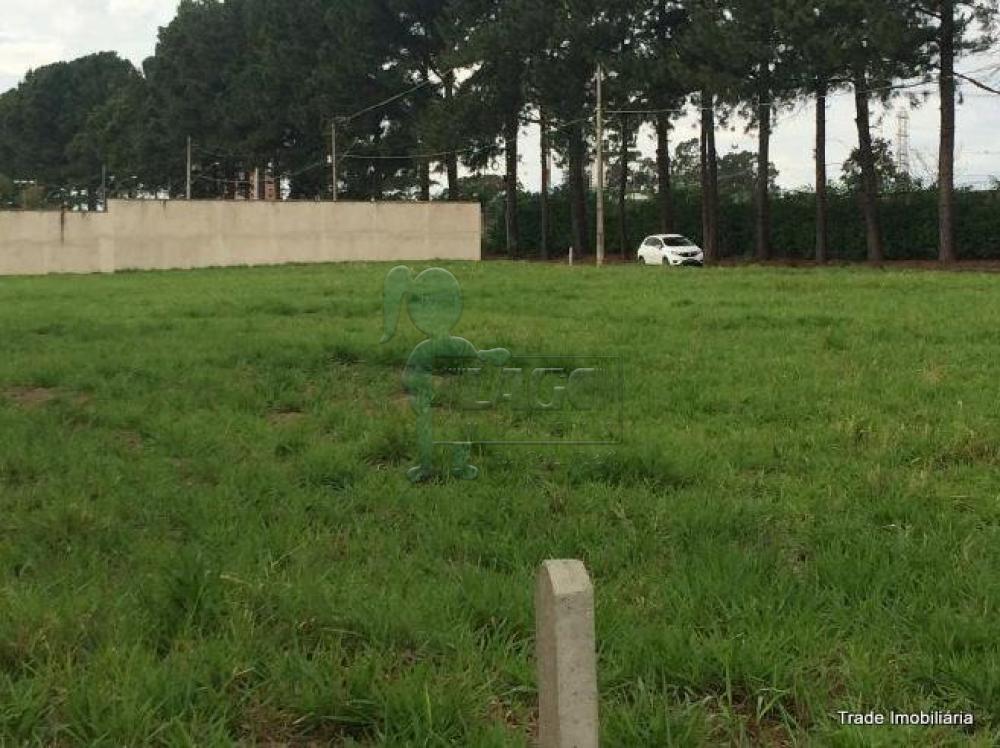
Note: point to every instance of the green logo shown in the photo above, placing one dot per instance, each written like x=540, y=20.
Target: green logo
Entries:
x=433, y=300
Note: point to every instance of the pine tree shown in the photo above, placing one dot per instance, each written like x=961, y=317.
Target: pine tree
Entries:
x=662, y=87
x=705, y=66
x=885, y=40
x=766, y=81
x=816, y=66
x=959, y=27
x=500, y=38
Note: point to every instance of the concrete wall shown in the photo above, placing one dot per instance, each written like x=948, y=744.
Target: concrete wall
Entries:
x=164, y=235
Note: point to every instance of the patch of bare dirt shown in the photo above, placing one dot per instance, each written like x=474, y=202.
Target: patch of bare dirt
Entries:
x=285, y=417
x=131, y=439
x=31, y=397
x=505, y=714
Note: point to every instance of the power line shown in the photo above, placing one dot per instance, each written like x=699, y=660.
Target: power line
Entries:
x=216, y=180
x=442, y=154
x=391, y=99
x=775, y=102
x=304, y=169
x=408, y=156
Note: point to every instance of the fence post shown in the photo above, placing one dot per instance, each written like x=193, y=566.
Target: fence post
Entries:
x=566, y=656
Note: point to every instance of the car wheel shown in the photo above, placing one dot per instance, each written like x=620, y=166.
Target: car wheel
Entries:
x=642, y=260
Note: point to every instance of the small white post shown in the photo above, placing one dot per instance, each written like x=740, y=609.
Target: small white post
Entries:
x=567, y=657
x=571, y=257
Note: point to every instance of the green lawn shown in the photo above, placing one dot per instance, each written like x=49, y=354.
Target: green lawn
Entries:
x=207, y=536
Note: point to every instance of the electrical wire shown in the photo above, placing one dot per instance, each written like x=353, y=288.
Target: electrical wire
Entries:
x=203, y=178
x=373, y=107
x=775, y=102
x=458, y=151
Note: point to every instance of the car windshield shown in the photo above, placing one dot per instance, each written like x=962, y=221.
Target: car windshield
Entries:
x=676, y=241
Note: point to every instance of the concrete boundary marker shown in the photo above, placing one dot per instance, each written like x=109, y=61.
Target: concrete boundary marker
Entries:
x=566, y=654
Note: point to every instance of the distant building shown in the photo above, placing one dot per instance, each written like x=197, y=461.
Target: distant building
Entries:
x=258, y=185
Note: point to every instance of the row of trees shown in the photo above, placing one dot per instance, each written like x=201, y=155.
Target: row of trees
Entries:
x=261, y=83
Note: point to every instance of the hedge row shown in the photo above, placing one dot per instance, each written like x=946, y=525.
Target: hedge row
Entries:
x=909, y=224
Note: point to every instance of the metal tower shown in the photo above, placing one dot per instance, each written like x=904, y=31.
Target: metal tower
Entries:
x=903, y=141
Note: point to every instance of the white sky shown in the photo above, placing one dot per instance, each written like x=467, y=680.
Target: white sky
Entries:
x=37, y=32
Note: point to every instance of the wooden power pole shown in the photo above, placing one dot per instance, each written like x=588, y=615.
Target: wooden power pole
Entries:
x=600, y=167
x=333, y=158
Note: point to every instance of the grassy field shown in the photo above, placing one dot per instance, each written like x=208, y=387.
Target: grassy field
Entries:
x=207, y=535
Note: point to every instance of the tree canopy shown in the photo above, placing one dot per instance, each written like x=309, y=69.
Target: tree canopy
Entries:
x=418, y=89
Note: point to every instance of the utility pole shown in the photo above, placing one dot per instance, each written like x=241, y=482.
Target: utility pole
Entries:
x=600, y=167
x=333, y=157
x=188, y=191
x=546, y=174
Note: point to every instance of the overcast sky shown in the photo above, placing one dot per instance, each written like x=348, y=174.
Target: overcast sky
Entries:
x=37, y=32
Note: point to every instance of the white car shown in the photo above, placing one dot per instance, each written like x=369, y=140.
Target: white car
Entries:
x=670, y=249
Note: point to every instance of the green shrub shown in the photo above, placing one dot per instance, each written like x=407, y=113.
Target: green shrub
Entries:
x=909, y=224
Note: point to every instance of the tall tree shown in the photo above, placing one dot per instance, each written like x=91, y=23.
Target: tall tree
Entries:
x=358, y=72
x=705, y=65
x=664, y=183
x=660, y=73
x=819, y=157
x=946, y=148
x=426, y=33
x=275, y=122
x=814, y=44
x=501, y=38
x=563, y=71
x=886, y=43
x=41, y=120
x=580, y=32
x=960, y=26
x=623, y=140
x=709, y=176
x=625, y=94
x=191, y=84
x=754, y=42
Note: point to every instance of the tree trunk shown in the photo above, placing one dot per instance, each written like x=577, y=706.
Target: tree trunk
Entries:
x=713, y=184
x=546, y=176
x=869, y=179
x=578, y=192
x=451, y=160
x=703, y=175
x=763, y=194
x=947, y=252
x=822, y=233
x=623, y=168
x=710, y=178
x=663, y=192
x=510, y=184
